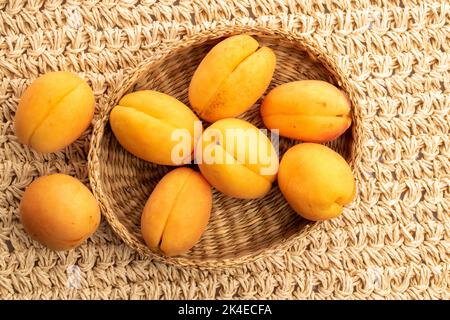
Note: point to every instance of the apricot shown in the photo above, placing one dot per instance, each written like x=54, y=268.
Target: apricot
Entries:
x=54, y=111
x=316, y=181
x=177, y=212
x=237, y=159
x=307, y=110
x=147, y=124
x=59, y=211
x=231, y=78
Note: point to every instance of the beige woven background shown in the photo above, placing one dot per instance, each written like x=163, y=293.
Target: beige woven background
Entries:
x=392, y=242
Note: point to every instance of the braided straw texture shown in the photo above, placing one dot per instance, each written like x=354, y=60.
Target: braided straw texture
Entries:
x=393, y=61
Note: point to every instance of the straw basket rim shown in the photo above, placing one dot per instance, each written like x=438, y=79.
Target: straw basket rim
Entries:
x=94, y=164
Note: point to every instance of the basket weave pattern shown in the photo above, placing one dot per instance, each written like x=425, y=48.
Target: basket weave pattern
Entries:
x=391, y=242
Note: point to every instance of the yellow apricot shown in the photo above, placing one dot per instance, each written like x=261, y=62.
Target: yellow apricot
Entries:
x=237, y=159
x=307, y=110
x=231, y=78
x=177, y=212
x=316, y=181
x=146, y=123
x=54, y=111
x=59, y=211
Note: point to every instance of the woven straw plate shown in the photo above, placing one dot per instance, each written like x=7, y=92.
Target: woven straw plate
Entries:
x=239, y=230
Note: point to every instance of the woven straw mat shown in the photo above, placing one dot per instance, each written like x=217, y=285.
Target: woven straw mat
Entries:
x=391, y=242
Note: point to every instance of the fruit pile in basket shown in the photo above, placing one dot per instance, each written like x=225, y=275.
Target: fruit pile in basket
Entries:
x=232, y=155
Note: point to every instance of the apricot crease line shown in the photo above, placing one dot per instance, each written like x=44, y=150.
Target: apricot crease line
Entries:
x=146, y=114
x=245, y=166
x=49, y=111
x=213, y=96
x=171, y=209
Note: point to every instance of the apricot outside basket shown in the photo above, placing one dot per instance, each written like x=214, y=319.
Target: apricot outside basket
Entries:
x=239, y=231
